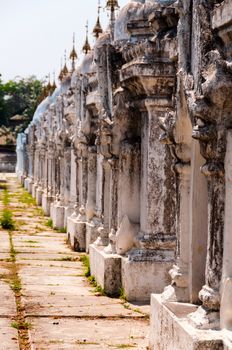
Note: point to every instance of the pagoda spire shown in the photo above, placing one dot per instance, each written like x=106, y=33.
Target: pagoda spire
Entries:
x=97, y=30
x=112, y=6
x=54, y=82
x=86, y=48
x=49, y=85
x=65, y=69
x=61, y=75
x=73, y=55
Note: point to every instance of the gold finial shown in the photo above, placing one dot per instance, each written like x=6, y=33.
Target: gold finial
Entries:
x=73, y=54
x=54, y=82
x=86, y=48
x=97, y=30
x=61, y=75
x=49, y=86
x=65, y=69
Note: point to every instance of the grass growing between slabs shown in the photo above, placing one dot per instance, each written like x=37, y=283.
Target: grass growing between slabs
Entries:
x=12, y=277
x=6, y=218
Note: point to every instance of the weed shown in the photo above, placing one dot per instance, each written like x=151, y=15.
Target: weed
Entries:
x=16, y=285
x=85, y=261
x=97, y=288
x=21, y=325
x=40, y=211
x=122, y=294
x=61, y=230
x=27, y=198
x=67, y=258
x=124, y=346
x=6, y=199
x=84, y=342
x=30, y=241
x=56, y=341
x=49, y=223
x=6, y=220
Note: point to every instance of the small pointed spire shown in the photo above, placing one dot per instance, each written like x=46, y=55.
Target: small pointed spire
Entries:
x=54, y=82
x=97, y=30
x=49, y=86
x=61, y=75
x=86, y=48
x=112, y=5
x=73, y=54
x=65, y=69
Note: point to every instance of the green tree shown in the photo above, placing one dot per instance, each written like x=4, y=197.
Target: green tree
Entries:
x=19, y=97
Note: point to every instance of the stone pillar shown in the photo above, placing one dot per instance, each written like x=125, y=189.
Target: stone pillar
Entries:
x=91, y=227
x=67, y=185
x=212, y=141
x=198, y=224
x=114, y=196
x=158, y=189
x=226, y=288
x=104, y=230
x=72, y=221
x=180, y=272
x=92, y=172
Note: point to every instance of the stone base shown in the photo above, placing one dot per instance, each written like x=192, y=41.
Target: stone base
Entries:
x=76, y=232
x=71, y=231
x=67, y=213
x=171, y=330
x=38, y=197
x=34, y=189
x=80, y=236
x=106, y=268
x=57, y=215
x=46, y=204
x=28, y=183
x=91, y=235
x=141, y=278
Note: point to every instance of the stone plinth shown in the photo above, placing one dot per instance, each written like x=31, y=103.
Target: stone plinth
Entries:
x=57, y=215
x=106, y=268
x=76, y=232
x=46, y=204
x=38, y=196
x=170, y=329
x=71, y=231
x=141, y=278
x=34, y=189
x=28, y=184
x=91, y=234
x=67, y=212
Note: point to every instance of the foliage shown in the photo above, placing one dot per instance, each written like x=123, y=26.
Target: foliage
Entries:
x=6, y=220
x=26, y=198
x=19, y=97
x=86, y=263
x=49, y=223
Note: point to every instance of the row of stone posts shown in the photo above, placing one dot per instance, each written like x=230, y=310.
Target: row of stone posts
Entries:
x=131, y=155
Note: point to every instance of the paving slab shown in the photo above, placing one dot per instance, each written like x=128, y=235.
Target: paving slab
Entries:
x=7, y=304
x=8, y=335
x=65, y=311
x=71, y=333
x=77, y=306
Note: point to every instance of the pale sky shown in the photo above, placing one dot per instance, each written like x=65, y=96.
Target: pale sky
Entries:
x=35, y=33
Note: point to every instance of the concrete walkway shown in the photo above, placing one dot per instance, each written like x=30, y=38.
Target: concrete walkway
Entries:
x=46, y=300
